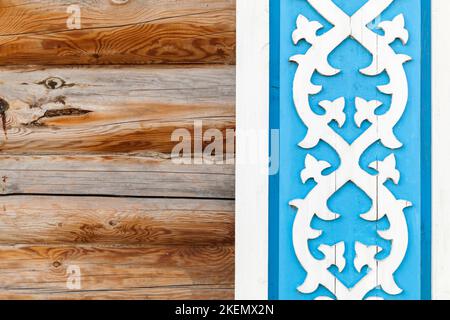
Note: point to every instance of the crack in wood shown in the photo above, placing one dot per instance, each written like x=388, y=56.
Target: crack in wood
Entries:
x=70, y=111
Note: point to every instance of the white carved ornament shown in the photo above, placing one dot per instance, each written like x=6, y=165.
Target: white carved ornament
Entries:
x=384, y=203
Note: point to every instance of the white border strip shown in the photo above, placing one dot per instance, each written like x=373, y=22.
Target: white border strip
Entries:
x=441, y=150
x=252, y=115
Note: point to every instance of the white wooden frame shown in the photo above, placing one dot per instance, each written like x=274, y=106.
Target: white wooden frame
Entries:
x=441, y=150
x=253, y=114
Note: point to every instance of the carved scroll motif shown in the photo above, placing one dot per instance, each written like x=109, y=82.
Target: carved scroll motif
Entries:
x=384, y=204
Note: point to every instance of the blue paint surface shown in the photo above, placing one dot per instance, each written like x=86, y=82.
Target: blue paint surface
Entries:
x=413, y=159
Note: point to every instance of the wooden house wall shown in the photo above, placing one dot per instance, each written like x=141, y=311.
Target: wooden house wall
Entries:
x=86, y=175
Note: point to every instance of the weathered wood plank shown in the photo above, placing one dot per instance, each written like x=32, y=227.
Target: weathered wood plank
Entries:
x=109, y=221
x=111, y=109
x=197, y=292
x=114, y=175
x=44, y=268
x=137, y=32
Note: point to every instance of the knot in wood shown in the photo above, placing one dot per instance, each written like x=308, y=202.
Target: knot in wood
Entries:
x=4, y=105
x=54, y=83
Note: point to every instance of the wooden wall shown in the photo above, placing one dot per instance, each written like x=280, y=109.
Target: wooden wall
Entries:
x=86, y=176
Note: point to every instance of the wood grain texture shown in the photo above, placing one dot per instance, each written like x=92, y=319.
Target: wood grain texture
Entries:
x=191, y=292
x=114, y=175
x=153, y=271
x=86, y=176
x=113, y=109
x=113, y=221
x=137, y=32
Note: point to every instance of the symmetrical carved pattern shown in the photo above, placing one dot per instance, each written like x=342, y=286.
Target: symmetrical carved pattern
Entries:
x=384, y=204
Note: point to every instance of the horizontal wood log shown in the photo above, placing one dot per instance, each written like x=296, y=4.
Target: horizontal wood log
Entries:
x=111, y=109
x=193, y=292
x=136, y=32
x=115, y=271
x=148, y=176
x=109, y=221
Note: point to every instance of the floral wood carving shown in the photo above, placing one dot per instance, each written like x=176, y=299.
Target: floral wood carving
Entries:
x=384, y=204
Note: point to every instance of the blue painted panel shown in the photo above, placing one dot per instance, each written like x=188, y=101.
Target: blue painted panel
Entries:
x=413, y=159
